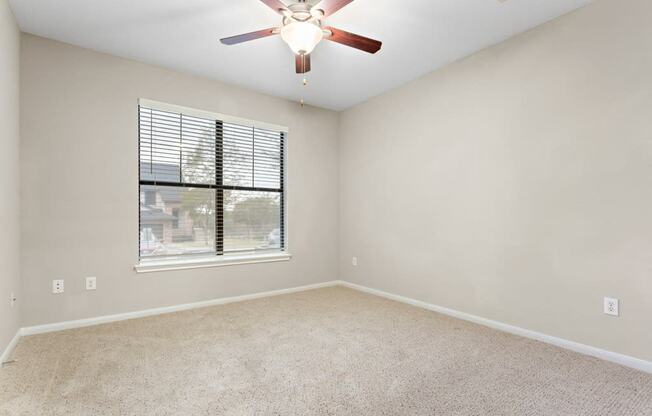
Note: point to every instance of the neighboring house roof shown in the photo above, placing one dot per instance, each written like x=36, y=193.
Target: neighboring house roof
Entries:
x=165, y=173
x=159, y=172
x=170, y=194
x=150, y=214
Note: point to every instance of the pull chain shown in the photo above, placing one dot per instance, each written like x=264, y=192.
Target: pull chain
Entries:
x=305, y=84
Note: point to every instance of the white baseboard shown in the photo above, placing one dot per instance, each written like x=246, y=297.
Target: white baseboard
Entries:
x=614, y=357
x=622, y=359
x=59, y=326
x=6, y=355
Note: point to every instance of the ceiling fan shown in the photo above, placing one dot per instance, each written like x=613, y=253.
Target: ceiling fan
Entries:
x=303, y=28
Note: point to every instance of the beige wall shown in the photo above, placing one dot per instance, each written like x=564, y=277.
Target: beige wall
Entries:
x=80, y=182
x=516, y=184
x=9, y=174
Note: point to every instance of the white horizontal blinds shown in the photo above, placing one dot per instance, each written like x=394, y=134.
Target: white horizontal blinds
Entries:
x=252, y=156
x=252, y=163
x=208, y=186
x=176, y=148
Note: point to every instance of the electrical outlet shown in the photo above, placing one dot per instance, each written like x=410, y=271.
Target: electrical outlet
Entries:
x=354, y=261
x=91, y=283
x=13, y=299
x=57, y=286
x=611, y=306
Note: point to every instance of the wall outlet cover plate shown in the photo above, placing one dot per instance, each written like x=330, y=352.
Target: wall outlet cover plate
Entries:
x=611, y=306
x=57, y=286
x=91, y=283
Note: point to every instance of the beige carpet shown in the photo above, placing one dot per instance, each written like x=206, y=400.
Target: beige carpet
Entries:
x=330, y=351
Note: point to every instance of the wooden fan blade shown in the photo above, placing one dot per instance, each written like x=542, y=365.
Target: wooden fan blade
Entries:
x=353, y=40
x=331, y=6
x=276, y=5
x=245, y=37
x=302, y=63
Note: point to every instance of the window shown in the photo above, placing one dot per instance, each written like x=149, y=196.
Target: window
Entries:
x=175, y=218
x=211, y=186
x=150, y=197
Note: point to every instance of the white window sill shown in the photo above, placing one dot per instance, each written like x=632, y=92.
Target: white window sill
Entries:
x=166, y=265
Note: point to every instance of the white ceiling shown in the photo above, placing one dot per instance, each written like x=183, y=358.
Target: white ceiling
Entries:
x=418, y=36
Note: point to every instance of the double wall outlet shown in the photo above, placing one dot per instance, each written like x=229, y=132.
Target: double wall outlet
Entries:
x=354, y=261
x=57, y=286
x=610, y=306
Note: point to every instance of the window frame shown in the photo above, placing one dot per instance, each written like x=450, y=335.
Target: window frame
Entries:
x=219, y=258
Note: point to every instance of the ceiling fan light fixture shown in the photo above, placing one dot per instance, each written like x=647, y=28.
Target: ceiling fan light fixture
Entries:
x=302, y=28
x=302, y=37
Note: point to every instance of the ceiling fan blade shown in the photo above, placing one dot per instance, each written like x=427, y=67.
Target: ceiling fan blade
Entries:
x=331, y=6
x=276, y=5
x=245, y=37
x=353, y=40
x=302, y=63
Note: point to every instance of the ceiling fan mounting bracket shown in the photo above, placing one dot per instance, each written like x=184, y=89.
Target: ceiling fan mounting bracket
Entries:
x=302, y=12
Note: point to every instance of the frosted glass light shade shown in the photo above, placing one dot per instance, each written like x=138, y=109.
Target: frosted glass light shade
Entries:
x=302, y=37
